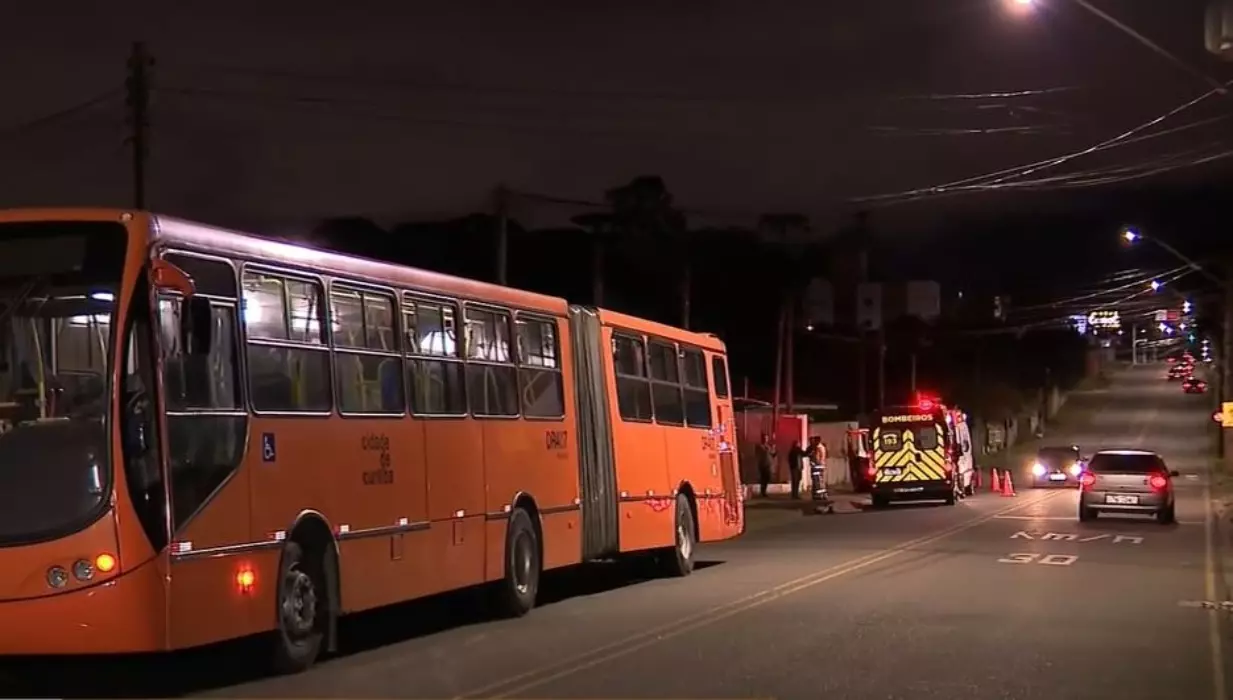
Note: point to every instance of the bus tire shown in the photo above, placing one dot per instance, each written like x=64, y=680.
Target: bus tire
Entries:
x=679, y=561
x=303, y=610
x=520, y=586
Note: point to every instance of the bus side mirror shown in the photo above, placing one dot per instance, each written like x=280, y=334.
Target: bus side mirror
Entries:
x=196, y=326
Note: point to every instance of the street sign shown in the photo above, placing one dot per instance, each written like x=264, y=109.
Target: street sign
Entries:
x=1226, y=410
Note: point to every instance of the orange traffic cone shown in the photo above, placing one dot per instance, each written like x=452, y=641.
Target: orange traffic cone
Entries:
x=995, y=484
x=1008, y=488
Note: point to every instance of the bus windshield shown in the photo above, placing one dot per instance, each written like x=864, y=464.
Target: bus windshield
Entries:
x=58, y=285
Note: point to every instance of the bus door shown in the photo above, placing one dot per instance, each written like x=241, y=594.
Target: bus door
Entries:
x=205, y=425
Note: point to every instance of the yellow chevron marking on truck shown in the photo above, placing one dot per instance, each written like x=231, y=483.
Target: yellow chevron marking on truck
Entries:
x=914, y=464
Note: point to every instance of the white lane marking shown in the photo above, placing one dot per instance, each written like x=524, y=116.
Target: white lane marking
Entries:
x=1209, y=588
x=1067, y=518
x=1071, y=537
x=1059, y=559
x=1038, y=558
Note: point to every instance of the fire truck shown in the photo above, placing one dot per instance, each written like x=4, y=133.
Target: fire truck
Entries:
x=921, y=452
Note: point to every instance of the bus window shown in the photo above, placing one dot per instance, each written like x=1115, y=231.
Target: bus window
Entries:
x=492, y=379
x=633, y=390
x=540, y=371
x=666, y=384
x=288, y=363
x=719, y=368
x=366, y=360
x=697, y=391
x=434, y=366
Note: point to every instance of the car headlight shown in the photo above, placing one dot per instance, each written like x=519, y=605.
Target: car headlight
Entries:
x=1076, y=470
x=1038, y=469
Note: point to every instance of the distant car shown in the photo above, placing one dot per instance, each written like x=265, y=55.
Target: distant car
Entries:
x=1057, y=466
x=1194, y=385
x=1178, y=373
x=1127, y=482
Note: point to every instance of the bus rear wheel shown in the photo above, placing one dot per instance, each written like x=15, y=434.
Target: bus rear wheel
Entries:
x=520, y=586
x=679, y=561
x=303, y=610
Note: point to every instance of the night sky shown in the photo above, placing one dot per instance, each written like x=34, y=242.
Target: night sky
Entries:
x=398, y=112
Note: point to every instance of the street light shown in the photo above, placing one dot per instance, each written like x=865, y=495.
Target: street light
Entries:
x=1186, y=307
x=1156, y=285
x=1130, y=235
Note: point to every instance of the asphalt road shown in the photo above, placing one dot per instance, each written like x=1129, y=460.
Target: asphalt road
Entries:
x=993, y=598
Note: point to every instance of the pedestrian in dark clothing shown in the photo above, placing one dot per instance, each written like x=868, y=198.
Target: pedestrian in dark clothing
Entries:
x=796, y=467
x=766, y=462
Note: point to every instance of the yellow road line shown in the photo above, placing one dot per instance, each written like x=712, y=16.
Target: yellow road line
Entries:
x=609, y=652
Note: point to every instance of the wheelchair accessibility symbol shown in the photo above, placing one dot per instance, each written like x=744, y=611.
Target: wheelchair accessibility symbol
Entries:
x=268, y=451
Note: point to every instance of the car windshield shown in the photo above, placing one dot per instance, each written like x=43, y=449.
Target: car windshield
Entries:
x=58, y=283
x=1135, y=463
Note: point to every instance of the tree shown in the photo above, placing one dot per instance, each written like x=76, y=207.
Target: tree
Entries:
x=643, y=211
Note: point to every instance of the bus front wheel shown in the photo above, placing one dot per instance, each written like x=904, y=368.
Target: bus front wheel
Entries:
x=303, y=609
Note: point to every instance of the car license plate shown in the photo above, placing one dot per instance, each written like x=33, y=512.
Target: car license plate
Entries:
x=1057, y=477
x=891, y=471
x=1122, y=500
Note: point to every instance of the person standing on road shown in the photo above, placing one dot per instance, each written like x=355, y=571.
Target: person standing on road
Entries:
x=796, y=467
x=766, y=462
x=817, y=467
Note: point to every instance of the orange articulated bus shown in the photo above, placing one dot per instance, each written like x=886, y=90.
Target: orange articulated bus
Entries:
x=206, y=435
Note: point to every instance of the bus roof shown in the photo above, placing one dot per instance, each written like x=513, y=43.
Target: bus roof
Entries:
x=707, y=341
x=212, y=239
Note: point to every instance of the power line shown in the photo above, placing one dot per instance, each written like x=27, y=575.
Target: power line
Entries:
x=1004, y=174
x=59, y=115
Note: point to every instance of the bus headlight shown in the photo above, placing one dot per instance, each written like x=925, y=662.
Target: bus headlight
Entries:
x=57, y=577
x=83, y=570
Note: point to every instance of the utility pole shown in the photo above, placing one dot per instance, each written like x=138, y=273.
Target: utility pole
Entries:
x=913, y=374
x=780, y=332
x=502, y=201
x=790, y=361
x=138, y=100
x=881, y=340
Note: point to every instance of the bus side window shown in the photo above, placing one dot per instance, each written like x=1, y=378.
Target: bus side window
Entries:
x=434, y=364
x=633, y=389
x=719, y=368
x=697, y=391
x=666, y=384
x=492, y=380
x=540, y=368
x=367, y=362
x=288, y=360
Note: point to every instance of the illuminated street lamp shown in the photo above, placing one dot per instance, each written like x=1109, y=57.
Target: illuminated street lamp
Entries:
x=1156, y=285
x=1130, y=235
x=1186, y=307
